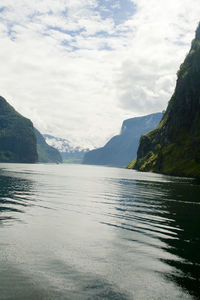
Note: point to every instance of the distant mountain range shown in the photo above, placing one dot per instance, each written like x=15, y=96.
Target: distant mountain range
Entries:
x=69, y=153
x=121, y=149
x=172, y=148
x=20, y=142
x=46, y=153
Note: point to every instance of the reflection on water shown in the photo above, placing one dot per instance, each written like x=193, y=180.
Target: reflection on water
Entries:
x=185, y=215
x=168, y=212
x=14, y=196
x=97, y=233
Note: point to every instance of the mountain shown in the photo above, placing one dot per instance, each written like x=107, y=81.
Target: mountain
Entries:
x=174, y=146
x=69, y=153
x=120, y=150
x=17, y=138
x=46, y=153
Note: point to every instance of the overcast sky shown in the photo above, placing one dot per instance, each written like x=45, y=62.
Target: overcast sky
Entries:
x=78, y=68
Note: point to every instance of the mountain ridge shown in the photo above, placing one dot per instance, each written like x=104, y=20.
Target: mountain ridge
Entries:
x=68, y=152
x=17, y=138
x=174, y=146
x=46, y=153
x=120, y=149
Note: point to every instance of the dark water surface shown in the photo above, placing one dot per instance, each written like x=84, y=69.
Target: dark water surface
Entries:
x=86, y=232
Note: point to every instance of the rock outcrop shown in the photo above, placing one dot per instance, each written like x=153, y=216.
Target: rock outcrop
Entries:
x=174, y=146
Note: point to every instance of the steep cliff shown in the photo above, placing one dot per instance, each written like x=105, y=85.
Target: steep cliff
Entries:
x=17, y=138
x=174, y=146
x=122, y=148
x=46, y=153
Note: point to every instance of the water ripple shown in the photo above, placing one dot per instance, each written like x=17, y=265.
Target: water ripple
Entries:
x=98, y=233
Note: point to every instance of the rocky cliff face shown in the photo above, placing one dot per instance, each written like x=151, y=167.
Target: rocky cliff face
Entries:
x=122, y=148
x=174, y=146
x=17, y=138
x=46, y=153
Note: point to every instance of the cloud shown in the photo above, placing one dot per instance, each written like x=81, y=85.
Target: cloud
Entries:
x=163, y=33
x=79, y=68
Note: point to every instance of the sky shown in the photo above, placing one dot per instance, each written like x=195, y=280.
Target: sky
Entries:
x=79, y=68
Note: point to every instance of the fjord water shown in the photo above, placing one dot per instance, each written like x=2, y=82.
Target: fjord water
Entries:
x=87, y=232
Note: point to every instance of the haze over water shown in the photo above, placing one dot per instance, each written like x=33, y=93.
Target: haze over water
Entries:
x=87, y=232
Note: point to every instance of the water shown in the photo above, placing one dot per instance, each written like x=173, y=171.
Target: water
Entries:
x=86, y=232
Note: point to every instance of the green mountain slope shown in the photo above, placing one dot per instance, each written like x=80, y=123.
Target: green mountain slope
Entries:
x=174, y=146
x=46, y=153
x=17, y=138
